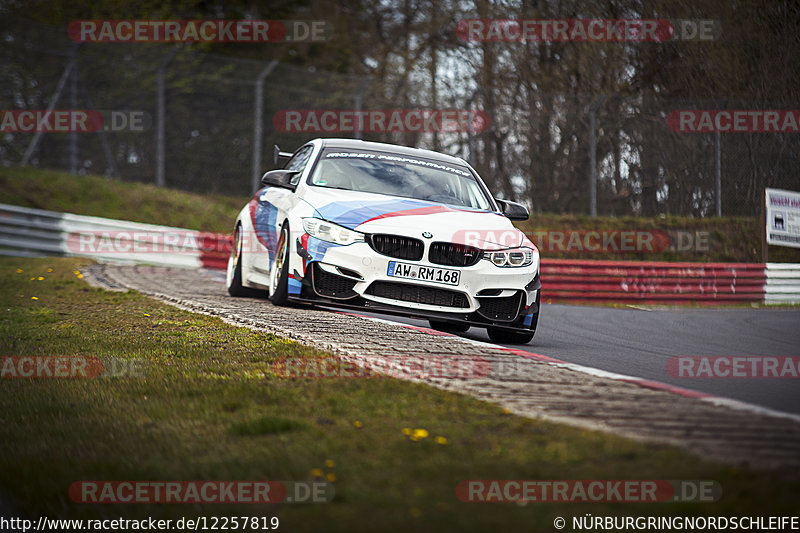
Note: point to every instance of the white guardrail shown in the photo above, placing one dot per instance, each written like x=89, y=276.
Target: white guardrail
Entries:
x=783, y=283
x=36, y=232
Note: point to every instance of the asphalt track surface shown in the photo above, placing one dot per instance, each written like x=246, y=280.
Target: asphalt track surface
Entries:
x=639, y=342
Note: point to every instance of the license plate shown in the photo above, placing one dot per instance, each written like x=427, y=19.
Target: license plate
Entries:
x=423, y=273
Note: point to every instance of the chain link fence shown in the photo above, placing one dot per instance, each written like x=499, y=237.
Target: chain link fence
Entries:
x=205, y=103
x=204, y=122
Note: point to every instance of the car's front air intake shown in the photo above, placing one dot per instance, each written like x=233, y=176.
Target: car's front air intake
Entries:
x=420, y=294
x=452, y=254
x=397, y=246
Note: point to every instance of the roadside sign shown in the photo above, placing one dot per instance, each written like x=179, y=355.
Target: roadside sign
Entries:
x=783, y=217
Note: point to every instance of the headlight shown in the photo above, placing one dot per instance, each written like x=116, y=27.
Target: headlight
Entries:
x=327, y=231
x=517, y=257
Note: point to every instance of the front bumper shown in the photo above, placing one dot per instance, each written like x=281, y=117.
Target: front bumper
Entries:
x=355, y=276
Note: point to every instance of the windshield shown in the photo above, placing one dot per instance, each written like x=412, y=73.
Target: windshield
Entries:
x=398, y=175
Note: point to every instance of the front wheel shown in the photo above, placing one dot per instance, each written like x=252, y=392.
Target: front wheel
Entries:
x=233, y=277
x=503, y=336
x=279, y=273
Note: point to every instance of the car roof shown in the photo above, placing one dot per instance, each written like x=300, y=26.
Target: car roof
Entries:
x=358, y=144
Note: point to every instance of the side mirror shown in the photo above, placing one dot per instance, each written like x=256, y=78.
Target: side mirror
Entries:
x=279, y=178
x=513, y=210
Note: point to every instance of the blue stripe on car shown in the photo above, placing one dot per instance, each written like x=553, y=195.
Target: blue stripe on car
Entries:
x=317, y=248
x=265, y=218
x=353, y=214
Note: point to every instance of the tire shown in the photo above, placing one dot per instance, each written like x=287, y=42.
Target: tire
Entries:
x=234, y=273
x=501, y=336
x=279, y=273
x=448, y=327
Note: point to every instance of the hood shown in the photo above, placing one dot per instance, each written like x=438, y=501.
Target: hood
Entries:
x=375, y=213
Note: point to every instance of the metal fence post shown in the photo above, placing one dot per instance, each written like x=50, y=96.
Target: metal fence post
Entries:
x=593, y=155
x=73, y=105
x=258, y=123
x=111, y=164
x=52, y=105
x=161, y=120
x=357, y=106
x=718, y=171
x=358, y=101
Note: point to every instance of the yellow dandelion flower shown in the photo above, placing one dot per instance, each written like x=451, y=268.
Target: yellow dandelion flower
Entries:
x=146, y=314
x=33, y=279
x=34, y=298
x=506, y=411
x=329, y=463
x=76, y=272
x=80, y=276
x=406, y=431
x=40, y=278
x=49, y=269
x=415, y=512
x=419, y=433
x=358, y=424
x=19, y=271
x=316, y=472
x=441, y=440
x=331, y=477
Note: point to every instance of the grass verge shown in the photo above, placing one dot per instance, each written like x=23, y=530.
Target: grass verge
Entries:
x=208, y=408
x=102, y=197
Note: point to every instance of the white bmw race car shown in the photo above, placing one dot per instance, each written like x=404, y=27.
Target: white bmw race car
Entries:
x=384, y=228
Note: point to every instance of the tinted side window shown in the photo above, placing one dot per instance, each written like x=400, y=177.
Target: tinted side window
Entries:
x=299, y=160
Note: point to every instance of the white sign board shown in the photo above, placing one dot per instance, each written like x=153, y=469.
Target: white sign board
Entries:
x=783, y=218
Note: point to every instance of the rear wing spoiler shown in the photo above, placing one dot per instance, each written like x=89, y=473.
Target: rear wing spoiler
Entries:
x=277, y=155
